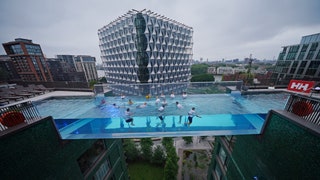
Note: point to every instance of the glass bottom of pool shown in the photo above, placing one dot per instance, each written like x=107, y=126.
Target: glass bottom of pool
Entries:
x=153, y=126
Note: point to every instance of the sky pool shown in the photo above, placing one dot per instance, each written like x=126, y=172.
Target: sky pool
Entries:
x=221, y=114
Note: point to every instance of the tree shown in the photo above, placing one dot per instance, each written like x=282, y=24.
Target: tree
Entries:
x=131, y=151
x=92, y=83
x=197, y=69
x=171, y=166
x=103, y=80
x=158, y=156
x=170, y=169
x=167, y=141
x=202, y=78
x=187, y=139
x=146, y=148
x=171, y=153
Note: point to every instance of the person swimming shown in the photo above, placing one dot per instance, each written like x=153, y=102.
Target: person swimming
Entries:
x=127, y=116
x=180, y=107
x=148, y=96
x=157, y=100
x=191, y=114
x=162, y=96
x=142, y=105
x=184, y=95
x=130, y=102
x=172, y=95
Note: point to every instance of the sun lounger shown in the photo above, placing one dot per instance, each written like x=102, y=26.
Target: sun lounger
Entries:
x=40, y=87
x=20, y=92
x=4, y=101
x=31, y=89
x=9, y=96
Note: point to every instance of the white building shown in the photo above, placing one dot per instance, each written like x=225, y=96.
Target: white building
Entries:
x=86, y=64
x=225, y=70
x=143, y=47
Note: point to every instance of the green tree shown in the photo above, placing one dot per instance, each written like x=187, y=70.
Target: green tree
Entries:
x=146, y=148
x=158, y=155
x=202, y=78
x=171, y=152
x=197, y=69
x=131, y=151
x=92, y=83
x=170, y=169
x=188, y=139
x=167, y=141
x=103, y=80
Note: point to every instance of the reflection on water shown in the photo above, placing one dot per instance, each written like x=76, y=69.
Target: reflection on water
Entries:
x=103, y=117
x=112, y=107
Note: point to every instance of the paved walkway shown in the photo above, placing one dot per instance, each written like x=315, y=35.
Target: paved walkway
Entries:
x=53, y=94
x=197, y=143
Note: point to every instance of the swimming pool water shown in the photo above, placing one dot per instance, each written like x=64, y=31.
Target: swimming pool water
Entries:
x=211, y=104
x=221, y=114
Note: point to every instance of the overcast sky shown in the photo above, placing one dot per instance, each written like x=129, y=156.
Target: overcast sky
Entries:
x=226, y=29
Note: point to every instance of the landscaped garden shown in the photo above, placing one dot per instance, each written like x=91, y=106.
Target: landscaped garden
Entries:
x=195, y=164
x=145, y=171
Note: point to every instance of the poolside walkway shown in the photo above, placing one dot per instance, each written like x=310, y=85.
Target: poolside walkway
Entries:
x=53, y=94
x=197, y=144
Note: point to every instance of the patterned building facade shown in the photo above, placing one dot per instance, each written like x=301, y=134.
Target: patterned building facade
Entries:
x=36, y=151
x=145, y=47
x=301, y=61
x=287, y=148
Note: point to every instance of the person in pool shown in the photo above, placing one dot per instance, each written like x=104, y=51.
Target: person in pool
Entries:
x=191, y=114
x=184, y=95
x=130, y=102
x=127, y=116
x=179, y=107
x=142, y=105
x=157, y=100
x=172, y=95
x=148, y=96
x=161, y=116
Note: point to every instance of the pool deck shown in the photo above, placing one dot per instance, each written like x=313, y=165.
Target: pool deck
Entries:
x=80, y=93
x=53, y=94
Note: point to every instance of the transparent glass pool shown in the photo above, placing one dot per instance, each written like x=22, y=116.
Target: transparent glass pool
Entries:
x=221, y=114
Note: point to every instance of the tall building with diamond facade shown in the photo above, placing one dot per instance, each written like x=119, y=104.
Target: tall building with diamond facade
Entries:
x=143, y=47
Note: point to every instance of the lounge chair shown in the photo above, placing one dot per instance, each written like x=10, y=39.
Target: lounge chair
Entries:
x=4, y=101
x=10, y=96
x=40, y=87
x=31, y=89
x=21, y=92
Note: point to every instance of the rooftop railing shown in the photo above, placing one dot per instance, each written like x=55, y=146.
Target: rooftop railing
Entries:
x=18, y=113
x=306, y=107
x=153, y=89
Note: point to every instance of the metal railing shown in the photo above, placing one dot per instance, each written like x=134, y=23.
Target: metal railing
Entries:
x=153, y=89
x=28, y=110
x=305, y=107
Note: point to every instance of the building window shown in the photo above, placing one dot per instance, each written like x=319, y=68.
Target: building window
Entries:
x=218, y=172
x=222, y=156
x=230, y=141
x=102, y=171
x=88, y=158
x=16, y=49
x=318, y=56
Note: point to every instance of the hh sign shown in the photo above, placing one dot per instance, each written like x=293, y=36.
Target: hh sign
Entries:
x=300, y=86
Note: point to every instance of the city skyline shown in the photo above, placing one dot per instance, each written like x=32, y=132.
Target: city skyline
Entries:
x=222, y=30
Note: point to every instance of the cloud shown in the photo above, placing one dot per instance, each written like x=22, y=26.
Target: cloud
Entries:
x=222, y=29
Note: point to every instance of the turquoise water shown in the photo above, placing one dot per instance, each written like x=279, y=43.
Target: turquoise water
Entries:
x=221, y=114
